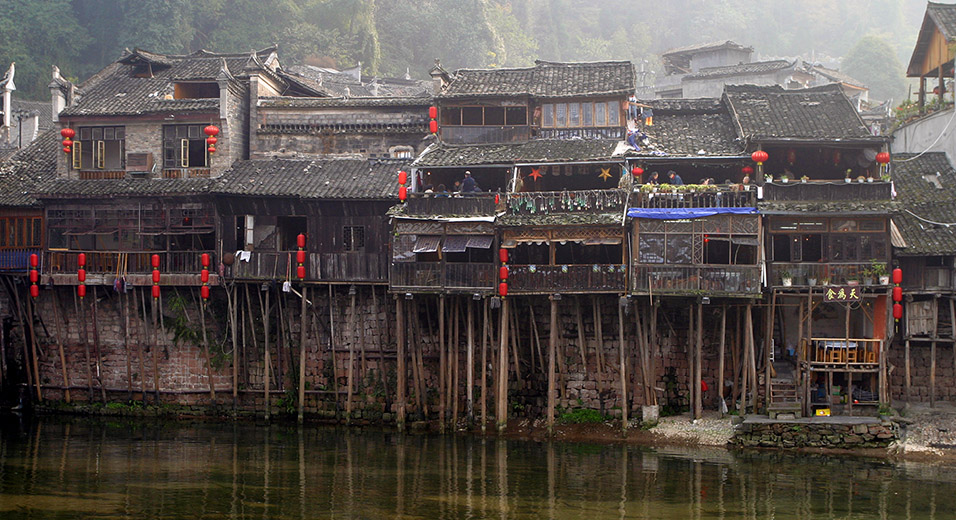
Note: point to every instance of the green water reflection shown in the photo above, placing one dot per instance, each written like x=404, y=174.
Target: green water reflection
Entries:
x=59, y=468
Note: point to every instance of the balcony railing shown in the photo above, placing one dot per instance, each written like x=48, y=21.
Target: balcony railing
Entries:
x=855, y=353
x=466, y=204
x=928, y=279
x=550, y=202
x=612, y=132
x=719, y=197
x=567, y=278
x=455, y=277
x=185, y=173
x=675, y=279
x=330, y=267
x=17, y=259
x=125, y=261
x=102, y=174
x=827, y=190
x=819, y=274
x=484, y=134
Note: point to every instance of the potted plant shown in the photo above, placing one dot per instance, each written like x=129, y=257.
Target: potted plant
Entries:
x=784, y=178
x=848, y=178
x=811, y=280
x=768, y=178
x=787, y=277
x=804, y=179
x=867, y=274
x=885, y=177
x=878, y=270
x=825, y=282
x=869, y=178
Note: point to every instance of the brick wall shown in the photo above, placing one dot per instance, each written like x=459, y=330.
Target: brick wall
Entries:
x=920, y=371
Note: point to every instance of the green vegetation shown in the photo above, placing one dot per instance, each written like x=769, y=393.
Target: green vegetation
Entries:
x=581, y=416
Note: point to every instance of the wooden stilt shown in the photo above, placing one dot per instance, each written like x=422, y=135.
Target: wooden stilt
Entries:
x=351, y=373
x=622, y=354
x=654, y=352
x=582, y=345
x=513, y=316
x=267, y=365
x=909, y=381
x=453, y=365
x=363, y=362
x=59, y=347
x=470, y=362
x=599, y=346
x=932, y=375
x=38, y=386
x=745, y=371
x=82, y=323
x=698, y=365
x=335, y=367
x=693, y=387
x=501, y=410
x=419, y=363
x=736, y=357
x=552, y=349
x=205, y=343
x=720, y=360
x=143, y=339
x=535, y=335
x=751, y=347
x=124, y=305
x=400, y=373
x=483, y=389
x=157, y=334
x=302, y=358
x=442, y=362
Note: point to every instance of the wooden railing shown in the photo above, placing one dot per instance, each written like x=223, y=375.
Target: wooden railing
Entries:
x=581, y=201
x=465, y=204
x=125, y=261
x=415, y=275
x=611, y=132
x=17, y=259
x=676, y=279
x=102, y=174
x=461, y=277
x=185, y=173
x=469, y=276
x=928, y=279
x=819, y=274
x=326, y=267
x=352, y=267
x=546, y=279
x=484, y=134
x=720, y=197
x=855, y=352
x=827, y=190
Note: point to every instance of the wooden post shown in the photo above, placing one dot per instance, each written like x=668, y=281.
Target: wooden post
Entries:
x=335, y=367
x=124, y=303
x=745, y=368
x=33, y=351
x=232, y=305
x=205, y=342
x=400, y=361
x=484, y=364
x=267, y=365
x=623, y=363
x=582, y=345
x=599, y=346
x=753, y=358
x=453, y=377
x=156, y=335
x=351, y=375
x=59, y=346
x=932, y=375
x=692, y=385
x=720, y=360
x=470, y=361
x=768, y=350
x=698, y=365
x=501, y=410
x=442, y=362
x=302, y=339
x=907, y=363
x=552, y=348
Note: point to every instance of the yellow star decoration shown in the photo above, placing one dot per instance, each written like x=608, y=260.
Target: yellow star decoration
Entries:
x=605, y=174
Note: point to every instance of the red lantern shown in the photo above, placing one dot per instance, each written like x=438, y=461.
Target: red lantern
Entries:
x=68, y=133
x=503, y=272
x=81, y=275
x=897, y=294
x=211, y=149
x=204, y=292
x=211, y=131
x=402, y=193
x=300, y=272
x=155, y=261
x=897, y=311
x=205, y=259
x=300, y=257
x=503, y=255
x=402, y=177
x=897, y=276
x=81, y=291
x=883, y=157
x=759, y=156
x=300, y=240
x=81, y=259
x=155, y=292
x=35, y=291
x=211, y=141
x=34, y=260
x=155, y=275
x=34, y=276
x=747, y=170
x=66, y=150
x=497, y=199
x=503, y=289
x=637, y=171
x=204, y=276
x=67, y=143
x=433, y=112
x=433, y=126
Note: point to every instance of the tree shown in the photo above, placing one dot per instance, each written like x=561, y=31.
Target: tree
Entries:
x=873, y=62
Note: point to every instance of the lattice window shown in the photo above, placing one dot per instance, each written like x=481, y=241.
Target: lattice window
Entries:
x=353, y=238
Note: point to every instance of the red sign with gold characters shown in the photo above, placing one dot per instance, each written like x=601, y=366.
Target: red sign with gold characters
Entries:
x=842, y=294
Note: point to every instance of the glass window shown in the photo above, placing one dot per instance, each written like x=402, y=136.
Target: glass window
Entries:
x=561, y=115
x=547, y=119
x=516, y=116
x=587, y=114
x=600, y=114
x=472, y=116
x=181, y=150
x=100, y=148
x=651, y=249
x=451, y=116
x=613, y=114
x=494, y=116
x=574, y=114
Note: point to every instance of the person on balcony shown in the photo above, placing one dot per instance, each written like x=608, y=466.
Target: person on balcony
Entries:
x=653, y=178
x=468, y=184
x=442, y=191
x=674, y=179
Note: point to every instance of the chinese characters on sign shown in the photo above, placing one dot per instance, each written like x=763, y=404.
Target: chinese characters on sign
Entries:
x=842, y=294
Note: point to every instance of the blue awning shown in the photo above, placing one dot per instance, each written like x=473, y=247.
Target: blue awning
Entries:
x=685, y=213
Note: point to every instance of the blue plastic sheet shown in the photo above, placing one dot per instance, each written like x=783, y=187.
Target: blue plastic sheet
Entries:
x=685, y=213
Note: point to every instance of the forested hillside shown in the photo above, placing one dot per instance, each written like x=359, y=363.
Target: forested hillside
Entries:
x=392, y=36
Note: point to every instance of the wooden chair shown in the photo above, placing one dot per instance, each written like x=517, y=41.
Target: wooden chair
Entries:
x=851, y=356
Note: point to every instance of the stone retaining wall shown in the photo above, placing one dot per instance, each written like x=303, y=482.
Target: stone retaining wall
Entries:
x=815, y=435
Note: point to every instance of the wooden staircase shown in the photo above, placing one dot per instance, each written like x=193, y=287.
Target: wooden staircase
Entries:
x=784, y=398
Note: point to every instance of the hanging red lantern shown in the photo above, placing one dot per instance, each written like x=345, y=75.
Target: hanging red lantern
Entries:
x=67, y=150
x=34, y=260
x=300, y=257
x=402, y=193
x=211, y=149
x=503, y=255
x=35, y=291
x=433, y=112
x=81, y=291
x=897, y=311
x=155, y=261
x=897, y=294
x=155, y=275
x=497, y=199
x=204, y=292
x=300, y=272
x=433, y=126
x=204, y=276
x=897, y=276
x=155, y=292
x=68, y=133
x=211, y=130
x=300, y=240
x=211, y=141
x=637, y=171
x=502, y=289
x=402, y=177
x=759, y=157
x=204, y=258
x=34, y=276
x=81, y=275
x=81, y=259
x=67, y=143
x=503, y=272
x=747, y=170
x=883, y=157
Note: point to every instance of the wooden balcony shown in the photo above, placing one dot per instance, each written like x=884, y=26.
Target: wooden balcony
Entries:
x=663, y=197
x=120, y=262
x=826, y=191
x=820, y=274
x=476, y=204
x=102, y=174
x=185, y=173
x=447, y=277
x=547, y=279
x=18, y=259
x=843, y=355
x=326, y=267
x=485, y=134
x=929, y=279
x=552, y=202
x=696, y=279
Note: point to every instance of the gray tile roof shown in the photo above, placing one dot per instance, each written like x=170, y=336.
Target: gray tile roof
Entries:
x=862, y=207
x=34, y=163
x=537, y=150
x=938, y=16
x=703, y=47
x=837, y=76
x=926, y=189
x=545, y=79
x=349, y=179
x=561, y=219
x=945, y=17
x=815, y=114
x=316, y=102
x=109, y=188
x=685, y=127
x=747, y=69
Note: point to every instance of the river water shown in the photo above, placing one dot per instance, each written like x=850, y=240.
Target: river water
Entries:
x=86, y=468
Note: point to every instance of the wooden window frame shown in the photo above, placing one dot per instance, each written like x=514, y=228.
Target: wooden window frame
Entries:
x=98, y=147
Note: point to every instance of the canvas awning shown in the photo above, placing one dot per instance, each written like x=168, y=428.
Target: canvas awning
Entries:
x=427, y=244
x=455, y=244
x=480, y=241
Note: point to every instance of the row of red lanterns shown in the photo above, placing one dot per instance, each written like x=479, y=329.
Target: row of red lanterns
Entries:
x=204, y=277
x=897, y=293
x=67, y=134
x=433, y=117
x=402, y=189
x=34, y=276
x=300, y=256
x=211, y=132
x=503, y=272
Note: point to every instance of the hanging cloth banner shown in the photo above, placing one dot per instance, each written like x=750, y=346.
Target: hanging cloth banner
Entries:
x=685, y=213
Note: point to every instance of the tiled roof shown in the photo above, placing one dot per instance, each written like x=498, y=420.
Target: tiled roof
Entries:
x=702, y=47
x=938, y=16
x=757, y=67
x=108, y=188
x=862, y=207
x=117, y=91
x=314, y=102
x=537, y=150
x=837, y=76
x=814, y=114
x=545, y=79
x=687, y=127
x=562, y=219
x=945, y=17
x=926, y=188
x=32, y=164
x=313, y=179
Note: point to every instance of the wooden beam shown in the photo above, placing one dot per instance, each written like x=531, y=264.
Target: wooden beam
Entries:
x=400, y=360
x=470, y=362
x=552, y=349
x=302, y=360
x=720, y=359
x=623, y=363
x=501, y=410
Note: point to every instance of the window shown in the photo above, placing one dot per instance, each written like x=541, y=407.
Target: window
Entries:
x=289, y=230
x=353, y=238
x=196, y=91
x=547, y=119
x=184, y=146
x=484, y=116
x=494, y=116
x=245, y=232
x=21, y=232
x=516, y=116
x=577, y=115
x=99, y=148
x=401, y=152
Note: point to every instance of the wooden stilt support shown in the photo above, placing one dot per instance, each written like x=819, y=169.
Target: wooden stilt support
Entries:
x=59, y=347
x=442, y=370
x=38, y=386
x=698, y=354
x=745, y=371
x=351, y=373
x=483, y=389
x=909, y=381
x=400, y=374
x=470, y=362
x=453, y=365
x=693, y=386
x=124, y=306
x=302, y=358
x=622, y=354
x=334, y=358
x=932, y=375
x=501, y=410
x=752, y=347
x=720, y=360
x=267, y=362
x=157, y=332
x=552, y=349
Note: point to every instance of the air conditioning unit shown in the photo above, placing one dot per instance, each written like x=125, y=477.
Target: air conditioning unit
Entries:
x=139, y=162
